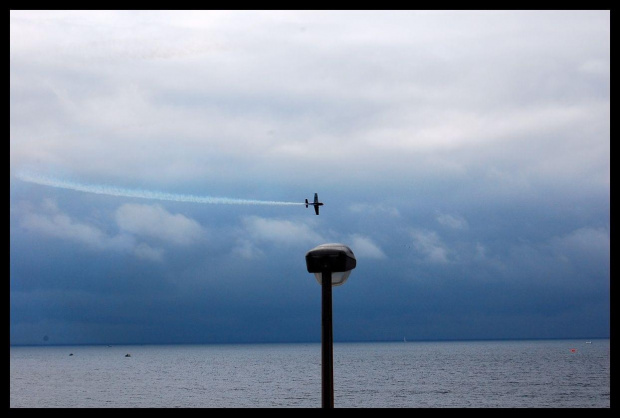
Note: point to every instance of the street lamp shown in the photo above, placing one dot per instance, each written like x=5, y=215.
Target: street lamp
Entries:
x=331, y=265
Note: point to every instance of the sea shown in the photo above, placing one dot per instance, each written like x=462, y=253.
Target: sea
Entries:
x=446, y=374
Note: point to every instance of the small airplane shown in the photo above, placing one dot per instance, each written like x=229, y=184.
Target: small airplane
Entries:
x=316, y=203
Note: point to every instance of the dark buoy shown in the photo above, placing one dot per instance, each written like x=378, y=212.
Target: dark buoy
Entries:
x=70, y=354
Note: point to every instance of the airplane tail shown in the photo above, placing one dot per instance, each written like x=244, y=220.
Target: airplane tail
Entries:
x=306, y=202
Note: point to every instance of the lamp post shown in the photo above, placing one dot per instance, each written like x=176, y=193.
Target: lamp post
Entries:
x=331, y=265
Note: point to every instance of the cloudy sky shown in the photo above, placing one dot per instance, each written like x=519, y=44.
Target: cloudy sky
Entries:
x=463, y=156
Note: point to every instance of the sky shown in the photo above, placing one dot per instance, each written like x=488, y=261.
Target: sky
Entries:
x=159, y=161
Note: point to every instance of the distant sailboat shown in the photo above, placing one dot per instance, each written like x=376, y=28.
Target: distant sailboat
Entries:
x=404, y=339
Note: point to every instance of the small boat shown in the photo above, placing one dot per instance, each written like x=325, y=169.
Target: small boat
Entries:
x=588, y=342
x=127, y=355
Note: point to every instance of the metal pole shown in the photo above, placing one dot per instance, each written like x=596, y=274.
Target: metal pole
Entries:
x=327, y=339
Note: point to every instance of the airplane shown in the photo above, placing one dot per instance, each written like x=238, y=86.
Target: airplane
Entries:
x=316, y=203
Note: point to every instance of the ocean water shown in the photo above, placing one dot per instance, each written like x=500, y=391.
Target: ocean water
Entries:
x=472, y=374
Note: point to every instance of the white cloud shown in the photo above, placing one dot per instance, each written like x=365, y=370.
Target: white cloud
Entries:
x=452, y=221
x=154, y=221
x=430, y=246
x=584, y=243
x=596, y=67
x=51, y=221
x=62, y=226
x=377, y=209
x=247, y=249
x=256, y=233
x=364, y=247
x=480, y=253
x=281, y=232
x=147, y=252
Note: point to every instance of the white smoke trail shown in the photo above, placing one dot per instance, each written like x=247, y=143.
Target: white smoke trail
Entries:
x=142, y=194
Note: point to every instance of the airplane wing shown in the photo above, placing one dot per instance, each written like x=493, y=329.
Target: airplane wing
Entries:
x=316, y=209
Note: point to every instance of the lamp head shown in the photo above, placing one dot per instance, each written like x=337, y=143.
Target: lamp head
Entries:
x=338, y=259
